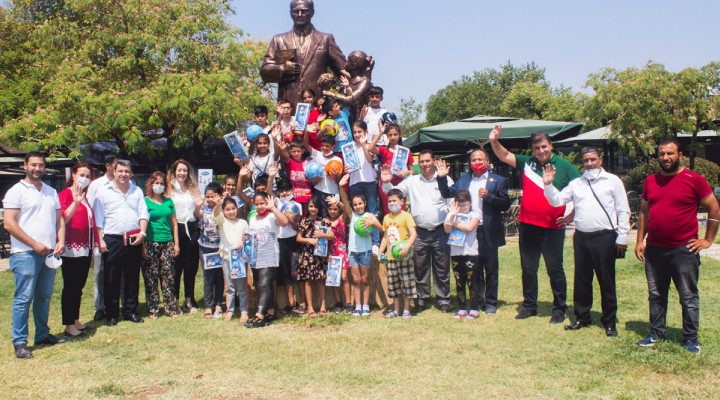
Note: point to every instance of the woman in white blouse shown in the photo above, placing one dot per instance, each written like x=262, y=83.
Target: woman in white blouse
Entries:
x=183, y=189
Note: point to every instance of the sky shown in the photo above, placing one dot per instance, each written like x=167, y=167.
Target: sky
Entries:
x=422, y=46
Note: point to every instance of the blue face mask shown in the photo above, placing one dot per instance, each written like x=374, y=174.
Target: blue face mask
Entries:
x=395, y=207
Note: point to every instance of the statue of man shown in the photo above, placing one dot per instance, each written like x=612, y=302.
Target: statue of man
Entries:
x=296, y=59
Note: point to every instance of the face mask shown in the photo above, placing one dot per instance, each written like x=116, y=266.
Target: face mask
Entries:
x=478, y=167
x=286, y=199
x=328, y=154
x=395, y=207
x=53, y=261
x=83, y=181
x=176, y=184
x=592, y=174
x=263, y=212
x=159, y=189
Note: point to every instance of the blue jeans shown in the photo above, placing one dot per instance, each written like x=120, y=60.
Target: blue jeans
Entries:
x=34, y=283
x=370, y=191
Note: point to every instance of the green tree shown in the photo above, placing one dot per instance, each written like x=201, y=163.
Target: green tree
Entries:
x=513, y=91
x=644, y=105
x=130, y=70
x=410, y=116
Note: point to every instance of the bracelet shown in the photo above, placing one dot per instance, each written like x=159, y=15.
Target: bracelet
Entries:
x=142, y=233
x=713, y=219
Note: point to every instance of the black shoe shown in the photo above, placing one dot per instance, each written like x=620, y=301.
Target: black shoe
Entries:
x=22, y=351
x=349, y=308
x=577, y=325
x=557, y=318
x=111, y=322
x=256, y=323
x=50, y=340
x=611, y=331
x=134, y=318
x=419, y=306
x=338, y=308
x=270, y=318
x=99, y=315
x=525, y=313
x=445, y=308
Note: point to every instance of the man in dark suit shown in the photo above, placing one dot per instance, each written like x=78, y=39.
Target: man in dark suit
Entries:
x=489, y=192
x=296, y=59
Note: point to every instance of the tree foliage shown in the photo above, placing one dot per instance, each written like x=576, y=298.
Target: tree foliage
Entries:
x=644, y=105
x=410, y=116
x=509, y=91
x=124, y=70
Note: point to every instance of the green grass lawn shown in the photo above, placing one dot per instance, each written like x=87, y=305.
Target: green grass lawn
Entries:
x=430, y=356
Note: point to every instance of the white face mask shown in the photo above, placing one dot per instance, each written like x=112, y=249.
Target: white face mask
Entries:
x=395, y=207
x=286, y=199
x=53, y=261
x=83, y=181
x=176, y=184
x=159, y=189
x=592, y=174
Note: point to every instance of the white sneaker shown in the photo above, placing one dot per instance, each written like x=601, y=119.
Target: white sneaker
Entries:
x=375, y=249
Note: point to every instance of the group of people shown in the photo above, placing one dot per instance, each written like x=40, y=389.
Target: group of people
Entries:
x=301, y=229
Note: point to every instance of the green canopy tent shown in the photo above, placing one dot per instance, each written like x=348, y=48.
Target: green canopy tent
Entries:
x=453, y=137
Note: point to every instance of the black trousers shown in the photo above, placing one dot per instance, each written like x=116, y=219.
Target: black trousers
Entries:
x=431, y=249
x=262, y=278
x=75, y=273
x=487, y=271
x=682, y=267
x=187, y=263
x=213, y=282
x=122, y=264
x=595, y=253
x=465, y=270
x=534, y=242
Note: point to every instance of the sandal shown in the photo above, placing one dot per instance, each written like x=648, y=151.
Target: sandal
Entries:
x=287, y=310
x=406, y=315
x=153, y=316
x=228, y=316
x=312, y=314
x=391, y=314
x=300, y=310
x=460, y=314
x=473, y=315
x=322, y=313
x=208, y=313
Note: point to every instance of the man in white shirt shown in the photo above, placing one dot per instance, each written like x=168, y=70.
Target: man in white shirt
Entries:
x=122, y=217
x=602, y=223
x=429, y=210
x=98, y=266
x=37, y=230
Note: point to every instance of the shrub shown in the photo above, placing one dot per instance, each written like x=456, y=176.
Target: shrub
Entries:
x=636, y=176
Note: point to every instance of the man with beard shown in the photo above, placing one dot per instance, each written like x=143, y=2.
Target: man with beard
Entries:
x=668, y=215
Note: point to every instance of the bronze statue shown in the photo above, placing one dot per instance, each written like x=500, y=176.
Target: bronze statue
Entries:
x=359, y=66
x=296, y=59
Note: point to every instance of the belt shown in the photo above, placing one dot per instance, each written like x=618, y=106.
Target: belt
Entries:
x=431, y=229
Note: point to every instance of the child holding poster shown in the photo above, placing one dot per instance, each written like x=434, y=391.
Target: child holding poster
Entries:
x=464, y=256
x=387, y=153
x=311, y=268
x=231, y=230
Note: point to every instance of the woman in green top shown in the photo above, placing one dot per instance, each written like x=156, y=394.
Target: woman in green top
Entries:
x=160, y=248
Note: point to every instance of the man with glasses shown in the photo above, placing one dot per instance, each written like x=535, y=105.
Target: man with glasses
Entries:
x=542, y=226
x=37, y=230
x=296, y=59
x=122, y=216
x=602, y=223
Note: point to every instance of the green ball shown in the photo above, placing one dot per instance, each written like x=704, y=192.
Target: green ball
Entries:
x=396, y=250
x=362, y=231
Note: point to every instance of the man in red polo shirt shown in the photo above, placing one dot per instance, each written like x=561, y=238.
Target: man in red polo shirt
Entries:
x=668, y=215
x=542, y=226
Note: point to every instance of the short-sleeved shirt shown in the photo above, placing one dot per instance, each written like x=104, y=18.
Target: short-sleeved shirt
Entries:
x=397, y=227
x=37, y=213
x=534, y=207
x=287, y=231
x=673, y=205
x=371, y=119
x=326, y=184
x=344, y=134
x=366, y=173
x=386, y=156
x=266, y=235
x=357, y=243
x=470, y=247
x=302, y=191
x=209, y=234
x=159, y=228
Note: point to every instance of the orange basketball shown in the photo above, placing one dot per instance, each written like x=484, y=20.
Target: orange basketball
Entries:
x=334, y=167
